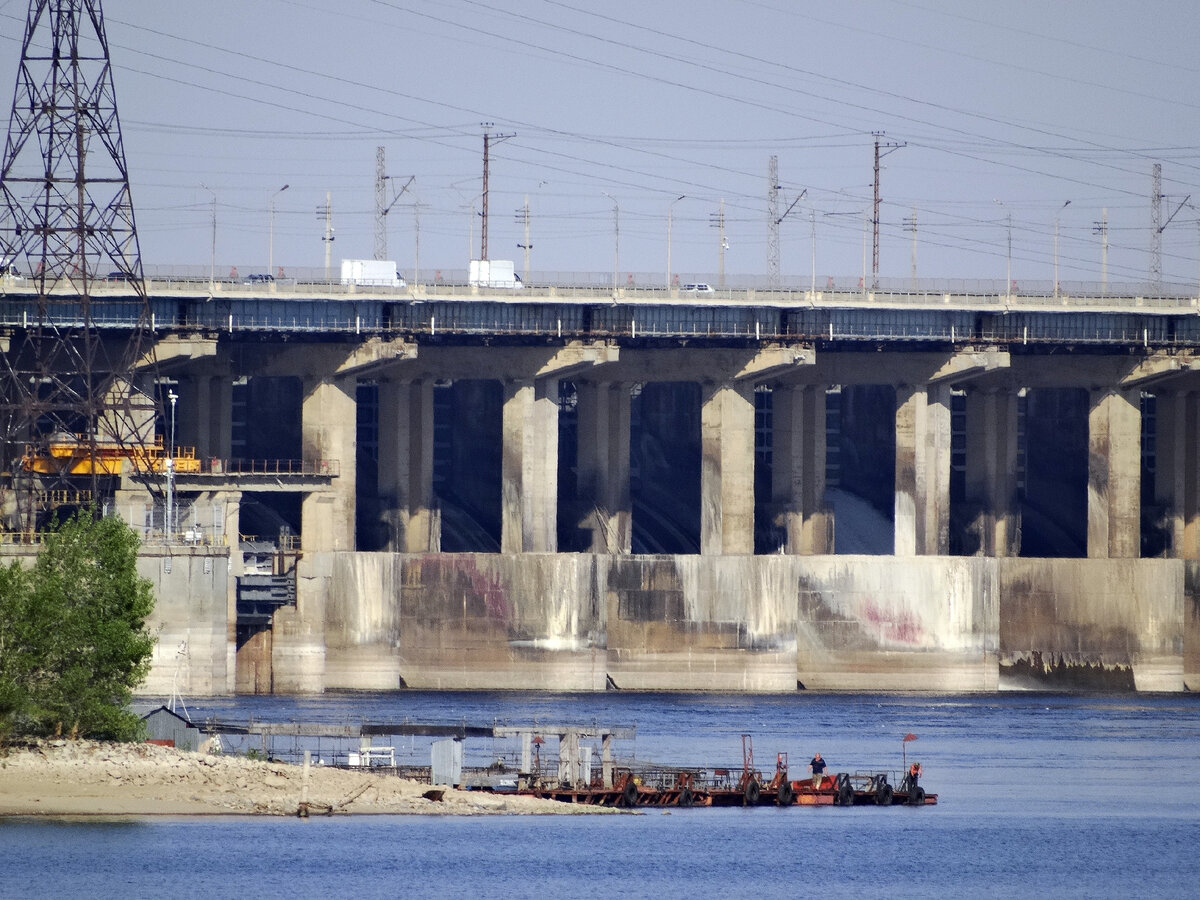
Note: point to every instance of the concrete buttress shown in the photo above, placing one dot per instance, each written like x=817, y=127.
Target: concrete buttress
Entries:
x=798, y=467
x=1114, y=474
x=406, y=465
x=727, y=468
x=603, y=465
x=922, y=519
x=529, y=470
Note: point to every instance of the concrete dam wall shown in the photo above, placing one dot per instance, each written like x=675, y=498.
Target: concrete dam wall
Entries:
x=584, y=622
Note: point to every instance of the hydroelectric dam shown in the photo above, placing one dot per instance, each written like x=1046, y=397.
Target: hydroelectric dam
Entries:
x=572, y=488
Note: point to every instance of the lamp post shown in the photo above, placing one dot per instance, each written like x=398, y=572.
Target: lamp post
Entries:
x=616, y=237
x=212, y=262
x=170, y=466
x=1008, y=270
x=271, y=230
x=1056, y=215
x=670, y=210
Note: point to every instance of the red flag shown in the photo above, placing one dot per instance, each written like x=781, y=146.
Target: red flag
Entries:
x=908, y=737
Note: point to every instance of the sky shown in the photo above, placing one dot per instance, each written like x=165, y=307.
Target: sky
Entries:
x=1001, y=124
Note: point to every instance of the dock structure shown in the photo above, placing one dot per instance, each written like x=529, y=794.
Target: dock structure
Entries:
x=565, y=770
x=574, y=762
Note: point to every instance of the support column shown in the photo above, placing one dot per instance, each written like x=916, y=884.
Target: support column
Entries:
x=529, y=467
x=406, y=466
x=798, y=467
x=922, y=505
x=727, y=469
x=1114, y=474
x=603, y=465
x=991, y=487
x=328, y=425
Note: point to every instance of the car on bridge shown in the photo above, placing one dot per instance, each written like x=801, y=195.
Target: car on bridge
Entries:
x=698, y=288
x=259, y=278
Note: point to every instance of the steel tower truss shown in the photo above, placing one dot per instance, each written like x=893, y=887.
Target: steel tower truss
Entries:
x=74, y=365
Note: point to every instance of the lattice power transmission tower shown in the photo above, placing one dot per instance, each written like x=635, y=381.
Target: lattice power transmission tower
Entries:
x=77, y=388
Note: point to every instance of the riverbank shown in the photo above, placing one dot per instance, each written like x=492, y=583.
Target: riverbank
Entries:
x=89, y=778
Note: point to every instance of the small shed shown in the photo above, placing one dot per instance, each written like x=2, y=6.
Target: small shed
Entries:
x=165, y=726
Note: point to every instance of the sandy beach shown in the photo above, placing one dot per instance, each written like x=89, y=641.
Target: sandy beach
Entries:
x=86, y=778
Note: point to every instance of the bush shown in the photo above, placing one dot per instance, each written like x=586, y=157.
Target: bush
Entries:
x=73, y=642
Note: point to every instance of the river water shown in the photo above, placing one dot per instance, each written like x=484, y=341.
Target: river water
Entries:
x=1040, y=795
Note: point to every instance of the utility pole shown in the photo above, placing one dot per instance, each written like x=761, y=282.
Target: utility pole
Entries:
x=527, y=245
x=910, y=224
x=776, y=223
x=488, y=138
x=1156, y=225
x=380, y=204
x=718, y=222
x=212, y=261
x=383, y=206
x=773, y=220
x=417, y=207
x=1101, y=228
x=1163, y=227
x=616, y=238
x=887, y=148
x=325, y=213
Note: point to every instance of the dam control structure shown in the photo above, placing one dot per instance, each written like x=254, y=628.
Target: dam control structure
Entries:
x=451, y=487
x=561, y=487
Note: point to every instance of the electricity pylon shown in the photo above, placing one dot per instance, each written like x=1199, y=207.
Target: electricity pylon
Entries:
x=77, y=394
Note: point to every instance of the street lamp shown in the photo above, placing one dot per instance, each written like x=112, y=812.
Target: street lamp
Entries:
x=170, y=466
x=670, y=210
x=1008, y=272
x=616, y=237
x=1056, y=215
x=271, y=230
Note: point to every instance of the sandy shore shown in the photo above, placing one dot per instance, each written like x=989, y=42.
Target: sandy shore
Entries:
x=81, y=778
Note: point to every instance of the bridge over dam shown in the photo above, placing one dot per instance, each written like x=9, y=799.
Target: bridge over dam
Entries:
x=575, y=488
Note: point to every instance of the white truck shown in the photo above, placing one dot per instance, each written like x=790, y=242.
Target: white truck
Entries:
x=371, y=273
x=494, y=273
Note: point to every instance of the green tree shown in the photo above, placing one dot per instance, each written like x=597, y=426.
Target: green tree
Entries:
x=73, y=641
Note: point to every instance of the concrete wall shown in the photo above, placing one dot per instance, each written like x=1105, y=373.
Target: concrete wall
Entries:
x=738, y=623
x=194, y=620
x=1191, y=625
x=579, y=622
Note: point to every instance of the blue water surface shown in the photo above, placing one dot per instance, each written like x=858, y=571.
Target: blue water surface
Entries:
x=1040, y=795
